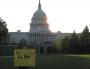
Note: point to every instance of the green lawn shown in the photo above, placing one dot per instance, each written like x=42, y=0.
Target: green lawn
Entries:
x=58, y=61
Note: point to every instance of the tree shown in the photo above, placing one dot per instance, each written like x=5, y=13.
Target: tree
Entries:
x=65, y=45
x=3, y=32
x=57, y=43
x=74, y=43
x=22, y=43
x=85, y=40
x=3, y=36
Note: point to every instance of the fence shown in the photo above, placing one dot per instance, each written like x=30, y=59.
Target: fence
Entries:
x=7, y=50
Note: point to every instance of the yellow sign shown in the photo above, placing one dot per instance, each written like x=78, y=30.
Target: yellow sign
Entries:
x=24, y=57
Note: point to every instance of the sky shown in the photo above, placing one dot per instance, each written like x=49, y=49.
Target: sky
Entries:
x=63, y=15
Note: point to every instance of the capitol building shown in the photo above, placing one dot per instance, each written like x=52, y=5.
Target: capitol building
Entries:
x=39, y=36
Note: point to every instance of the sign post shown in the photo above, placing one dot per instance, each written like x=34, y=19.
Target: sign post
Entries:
x=24, y=58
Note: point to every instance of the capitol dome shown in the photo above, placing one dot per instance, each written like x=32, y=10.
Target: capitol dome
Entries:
x=39, y=21
x=39, y=12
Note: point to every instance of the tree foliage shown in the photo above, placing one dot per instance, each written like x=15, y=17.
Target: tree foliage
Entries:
x=22, y=43
x=3, y=32
x=57, y=43
x=85, y=40
x=65, y=45
x=71, y=44
x=74, y=43
x=77, y=43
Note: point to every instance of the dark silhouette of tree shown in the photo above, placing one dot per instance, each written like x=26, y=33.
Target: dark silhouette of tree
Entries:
x=74, y=43
x=22, y=43
x=77, y=43
x=57, y=44
x=71, y=44
x=65, y=45
x=85, y=40
x=3, y=32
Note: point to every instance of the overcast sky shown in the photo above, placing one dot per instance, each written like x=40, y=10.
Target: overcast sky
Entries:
x=63, y=15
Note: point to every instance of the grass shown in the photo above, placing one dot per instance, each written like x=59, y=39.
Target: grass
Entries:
x=56, y=61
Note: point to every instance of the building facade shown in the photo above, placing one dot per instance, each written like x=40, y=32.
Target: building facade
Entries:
x=39, y=36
